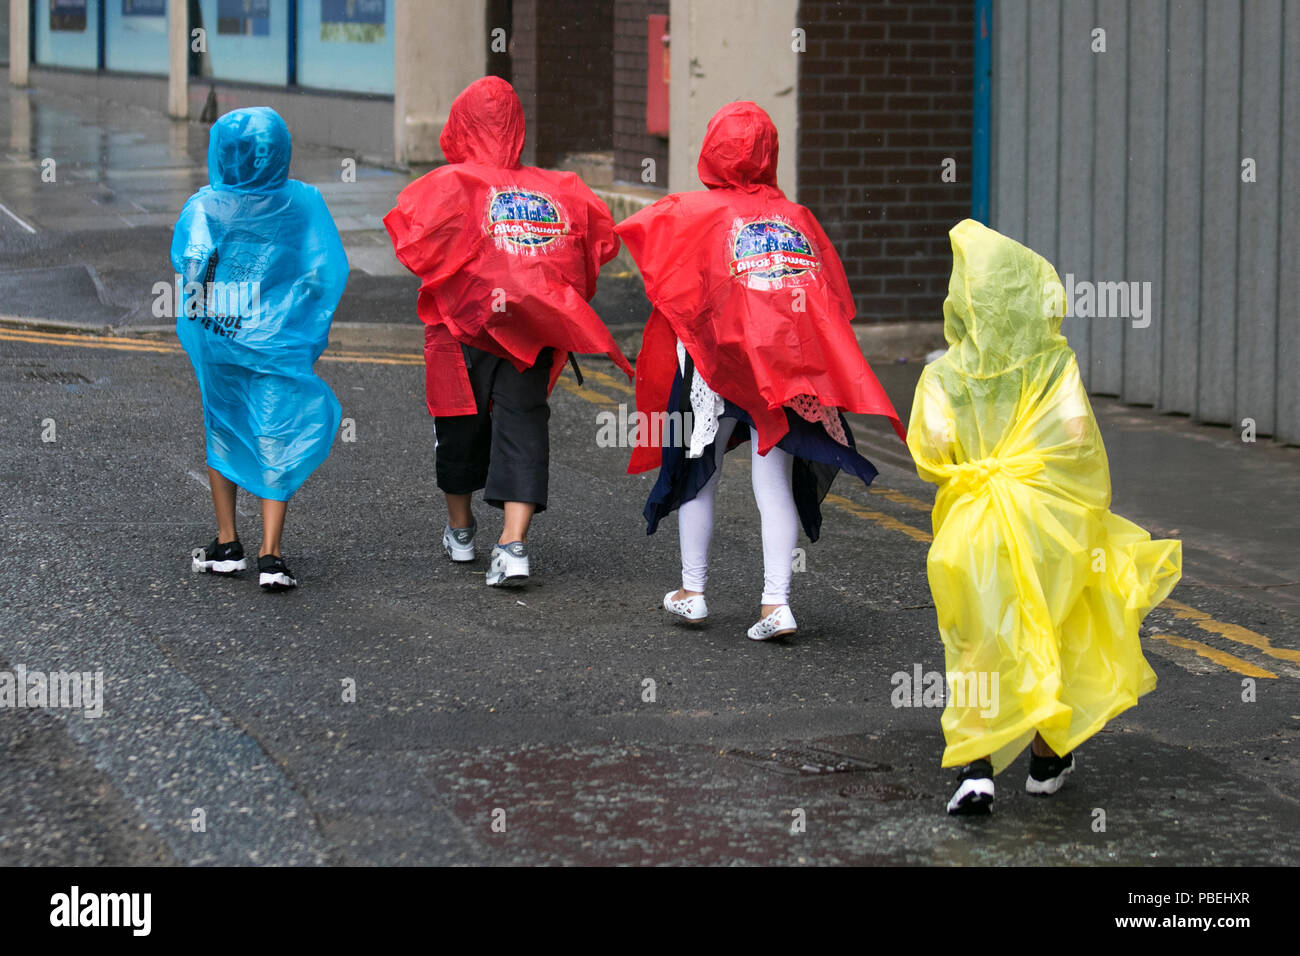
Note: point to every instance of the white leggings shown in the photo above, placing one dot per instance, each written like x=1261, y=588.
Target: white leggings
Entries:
x=772, y=493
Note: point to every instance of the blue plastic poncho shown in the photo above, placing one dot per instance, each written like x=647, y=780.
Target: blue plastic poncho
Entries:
x=262, y=269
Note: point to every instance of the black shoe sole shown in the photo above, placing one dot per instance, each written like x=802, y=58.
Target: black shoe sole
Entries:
x=1048, y=786
x=199, y=556
x=976, y=805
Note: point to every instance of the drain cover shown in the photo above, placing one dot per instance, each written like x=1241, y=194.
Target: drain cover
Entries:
x=793, y=760
x=885, y=792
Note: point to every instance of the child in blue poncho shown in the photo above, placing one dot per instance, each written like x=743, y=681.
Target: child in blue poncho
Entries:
x=263, y=269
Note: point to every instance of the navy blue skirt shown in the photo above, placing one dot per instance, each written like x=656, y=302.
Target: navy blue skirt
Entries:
x=818, y=458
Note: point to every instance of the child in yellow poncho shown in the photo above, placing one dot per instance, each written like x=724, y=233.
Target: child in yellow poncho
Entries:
x=1039, y=589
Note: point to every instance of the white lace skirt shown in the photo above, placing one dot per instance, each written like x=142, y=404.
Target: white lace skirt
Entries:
x=707, y=407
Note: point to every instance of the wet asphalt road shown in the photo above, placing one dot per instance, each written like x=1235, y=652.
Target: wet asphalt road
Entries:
x=471, y=700
x=474, y=706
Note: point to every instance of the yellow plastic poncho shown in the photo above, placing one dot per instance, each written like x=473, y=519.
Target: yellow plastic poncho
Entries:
x=1039, y=588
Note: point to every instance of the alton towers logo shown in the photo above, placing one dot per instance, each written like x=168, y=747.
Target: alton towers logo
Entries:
x=770, y=251
x=525, y=218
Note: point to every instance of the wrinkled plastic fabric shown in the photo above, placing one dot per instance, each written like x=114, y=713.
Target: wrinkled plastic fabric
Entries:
x=1035, y=581
x=511, y=297
x=270, y=420
x=757, y=336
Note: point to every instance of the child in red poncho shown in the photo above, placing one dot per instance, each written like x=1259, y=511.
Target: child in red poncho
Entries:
x=749, y=339
x=508, y=257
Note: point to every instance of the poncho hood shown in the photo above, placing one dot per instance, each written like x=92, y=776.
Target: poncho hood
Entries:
x=751, y=286
x=485, y=125
x=507, y=254
x=249, y=151
x=1005, y=302
x=739, y=149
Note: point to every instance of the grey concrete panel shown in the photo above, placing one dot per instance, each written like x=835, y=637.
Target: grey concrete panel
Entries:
x=1074, y=223
x=1146, y=200
x=1221, y=184
x=1181, y=299
x=1110, y=185
x=1257, y=215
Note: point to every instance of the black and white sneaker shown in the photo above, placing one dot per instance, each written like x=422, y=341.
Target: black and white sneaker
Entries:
x=273, y=574
x=218, y=558
x=1047, y=774
x=459, y=543
x=974, y=793
x=509, y=565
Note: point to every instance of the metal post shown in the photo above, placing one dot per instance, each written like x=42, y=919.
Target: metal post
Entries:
x=979, y=182
x=101, y=41
x=20, y=41
x=178, y=59
x=293, y=43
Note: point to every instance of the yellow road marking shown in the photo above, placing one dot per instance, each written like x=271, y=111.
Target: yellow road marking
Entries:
x=119, y=343
x=409, y=358
x=1233, y=632
x=84, y=341
x=899, y=498
x=63, y=338
x=369, y=360
x=609, y=381
x=587, y=393
x=1222, y=658
x=124, y=343
x=884, y=520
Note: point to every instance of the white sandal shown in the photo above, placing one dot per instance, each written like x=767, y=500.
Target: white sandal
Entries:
x=692, y=608
x=777, y=624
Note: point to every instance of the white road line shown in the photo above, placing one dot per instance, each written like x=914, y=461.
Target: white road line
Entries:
x=9, y=212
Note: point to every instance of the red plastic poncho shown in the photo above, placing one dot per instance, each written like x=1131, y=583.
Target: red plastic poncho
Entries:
x=508, y=255
x=752, y=287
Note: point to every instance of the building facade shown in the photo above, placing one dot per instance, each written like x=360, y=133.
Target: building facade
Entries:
x=1122, y=164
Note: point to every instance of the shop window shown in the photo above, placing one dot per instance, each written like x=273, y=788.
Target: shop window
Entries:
x=248, y=40
x=67, y=33
x=135, y=36
x=346, y=45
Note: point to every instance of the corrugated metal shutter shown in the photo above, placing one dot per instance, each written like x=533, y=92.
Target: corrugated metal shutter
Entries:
x=1126, y=166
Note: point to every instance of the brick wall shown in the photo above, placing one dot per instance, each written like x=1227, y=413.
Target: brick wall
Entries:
x=885, y=94
x=632, y=144
x=562, y=63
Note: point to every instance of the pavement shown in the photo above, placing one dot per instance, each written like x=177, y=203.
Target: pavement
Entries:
x=393, y=710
